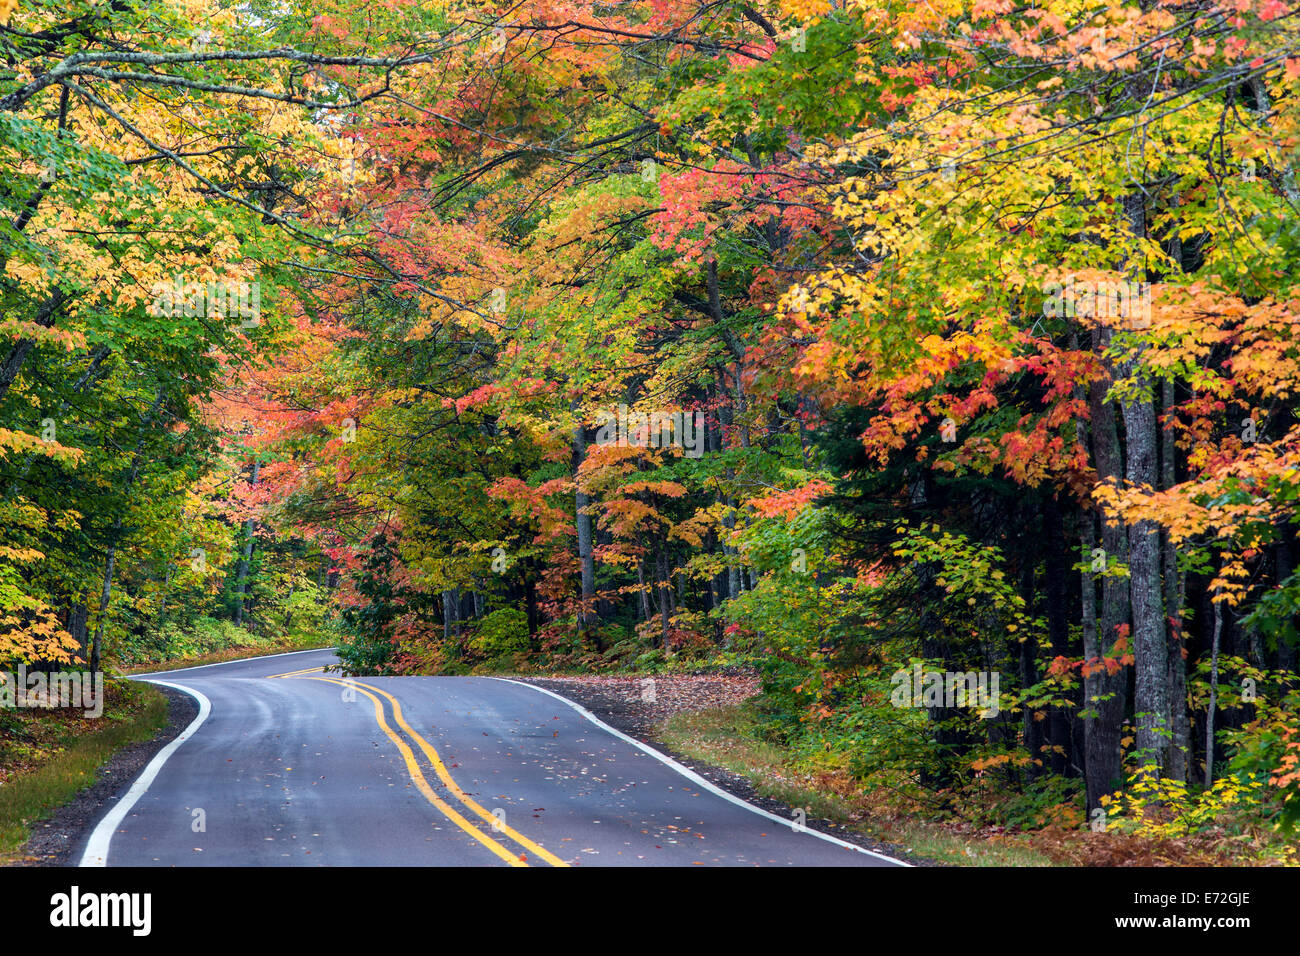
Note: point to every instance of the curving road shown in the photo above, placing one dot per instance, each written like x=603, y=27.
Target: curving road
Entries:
x=287, y=765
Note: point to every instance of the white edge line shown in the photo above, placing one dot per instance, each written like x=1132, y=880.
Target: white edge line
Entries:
x=96, y=852
x=690, y=774
x=147, y=675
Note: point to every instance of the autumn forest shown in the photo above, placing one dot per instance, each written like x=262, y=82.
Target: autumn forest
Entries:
x=937, y=363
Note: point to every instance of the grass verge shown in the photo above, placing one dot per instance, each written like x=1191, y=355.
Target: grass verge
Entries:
x=51, y=756
x=728, y=737
x=227, y=654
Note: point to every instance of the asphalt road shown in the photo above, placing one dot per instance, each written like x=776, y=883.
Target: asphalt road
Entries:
x=311, y=769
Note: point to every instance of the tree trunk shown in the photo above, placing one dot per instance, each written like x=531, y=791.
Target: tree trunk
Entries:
x=45, y=316
x=78, y=621
x=587, y=611
x=643, y=592
x=241, y=570
x=1091, y=651
x=96, y=356
x=664, y=597
x=1056, y=570
x=1214, y=694
x=1105, y=693
x=530, y=605
x=162, y=600
x=50, y=308
x=1286, y=652
x=106, y=592
x=1150, y=649
x=451, y=613
x=1179, y=728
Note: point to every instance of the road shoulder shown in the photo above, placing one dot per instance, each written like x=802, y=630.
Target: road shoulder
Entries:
x=622, y=703
x=57, y=840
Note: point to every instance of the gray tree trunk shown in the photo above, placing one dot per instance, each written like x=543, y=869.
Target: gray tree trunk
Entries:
x=1214, y=694
x=451, y=613
x=1105, y=693
x=78, y=627
x=1150, y=648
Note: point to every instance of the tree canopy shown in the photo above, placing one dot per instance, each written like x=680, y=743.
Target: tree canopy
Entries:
x=839, y=339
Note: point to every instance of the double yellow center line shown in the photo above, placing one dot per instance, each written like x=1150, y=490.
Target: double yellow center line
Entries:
x=421, y=782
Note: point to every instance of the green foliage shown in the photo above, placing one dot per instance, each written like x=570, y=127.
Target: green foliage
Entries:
x=1275, y=614
x=1153, y=806
x=1268, y=748
x=177, y=641
x=500, y=634
x=369, y=627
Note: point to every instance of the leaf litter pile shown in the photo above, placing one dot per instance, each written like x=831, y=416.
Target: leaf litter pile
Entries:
x=637, y=705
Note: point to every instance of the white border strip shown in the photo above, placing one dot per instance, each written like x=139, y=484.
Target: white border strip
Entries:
x=690, y=774
x=96, y=852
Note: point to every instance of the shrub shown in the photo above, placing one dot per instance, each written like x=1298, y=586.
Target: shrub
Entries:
x=501, y=633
